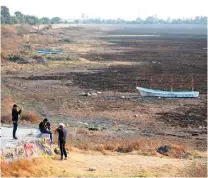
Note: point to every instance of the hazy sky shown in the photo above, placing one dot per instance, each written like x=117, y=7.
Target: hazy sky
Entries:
x=126, y=9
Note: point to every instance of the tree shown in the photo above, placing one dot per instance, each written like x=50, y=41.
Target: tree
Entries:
x=45, y=20
x=5, y=15
x=30, y=19
x=149, y=20
x=139, y=20
x=200, y=20
x=76, y=21
x=203, y=20
x=56, y=20
x=152, y=20
x=14, y=20
x=20, y=17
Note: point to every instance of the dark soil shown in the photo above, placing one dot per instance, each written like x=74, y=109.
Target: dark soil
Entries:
x=186, y=116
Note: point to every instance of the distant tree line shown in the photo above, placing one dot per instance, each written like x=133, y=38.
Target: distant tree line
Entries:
x=20, y=18
x=149, y=20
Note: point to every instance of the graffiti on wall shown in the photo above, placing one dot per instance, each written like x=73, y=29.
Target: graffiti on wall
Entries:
x=44, y=147
x=9, y=155
x=30, y=150
x=12, y=153
x=19, y=152
x=41, y=147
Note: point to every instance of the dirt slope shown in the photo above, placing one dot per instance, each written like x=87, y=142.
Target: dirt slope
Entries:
x=116, y=165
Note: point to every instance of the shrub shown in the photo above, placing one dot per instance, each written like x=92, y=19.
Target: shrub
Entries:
x=14, y=58
x=109, y=146
x=128, y=148
x=30, y=117
x=6, y=119
x=177, y=151
x=100, y=148
x=27, y=46
x=4, y=55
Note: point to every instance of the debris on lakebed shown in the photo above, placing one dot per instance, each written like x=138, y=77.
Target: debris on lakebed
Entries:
x=90, y=93
x=92, y=169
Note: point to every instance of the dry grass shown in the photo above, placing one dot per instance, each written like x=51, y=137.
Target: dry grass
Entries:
x=196, y=169
x=109, y=146
x=15, y=38
x=101, y=149
x=141, y=146
x=68, y=148
x=85, y=146
x=19, y=168
x=83, y=131
x=30, y=117
x=6, y=108
x=6, y=119
x=178, y=151
x=10, y=39
x=24, y=29
x=6, y=104
x=7, y=30
x=4, y=56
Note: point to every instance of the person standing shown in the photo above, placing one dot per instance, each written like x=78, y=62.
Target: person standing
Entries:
x=15, y=114
x=62, y=139
x=44, y=128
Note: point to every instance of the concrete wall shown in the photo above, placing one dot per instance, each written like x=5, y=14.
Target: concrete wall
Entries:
x=37, y=148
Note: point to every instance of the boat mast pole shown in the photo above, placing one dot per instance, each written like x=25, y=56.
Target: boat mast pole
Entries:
x=181, y=86
x=137, y=81
x=151, y=82
x=192, y=83
x=171, y=84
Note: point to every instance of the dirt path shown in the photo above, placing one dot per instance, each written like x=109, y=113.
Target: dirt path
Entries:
x=116, y=165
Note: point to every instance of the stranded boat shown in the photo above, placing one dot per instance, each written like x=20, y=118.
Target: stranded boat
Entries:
x=167, y=94
x=144, y=91
x=46, y=51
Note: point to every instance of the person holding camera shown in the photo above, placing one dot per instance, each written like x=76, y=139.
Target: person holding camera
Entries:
x=15, y=114
x=62, y=134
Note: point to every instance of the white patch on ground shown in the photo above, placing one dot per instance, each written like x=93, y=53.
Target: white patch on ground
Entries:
x=23, y=135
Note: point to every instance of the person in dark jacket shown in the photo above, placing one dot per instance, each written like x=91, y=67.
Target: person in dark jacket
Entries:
x=44, y=127
x=62, y=134
x=48, y=125
x=15, y=119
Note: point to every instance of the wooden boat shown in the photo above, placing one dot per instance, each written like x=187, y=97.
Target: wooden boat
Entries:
x=45, y=51
x=167, y=94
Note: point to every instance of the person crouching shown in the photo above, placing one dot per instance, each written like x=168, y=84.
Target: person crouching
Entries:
x=44, y=128
x=62, y=134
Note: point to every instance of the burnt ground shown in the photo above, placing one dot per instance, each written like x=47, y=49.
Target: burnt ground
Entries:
x=163, y=59
x=188, y=115
x=110, y=64
x=116, y=79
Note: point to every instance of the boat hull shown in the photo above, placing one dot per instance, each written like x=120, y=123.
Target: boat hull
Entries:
x=167, y=94
x=49, y=51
